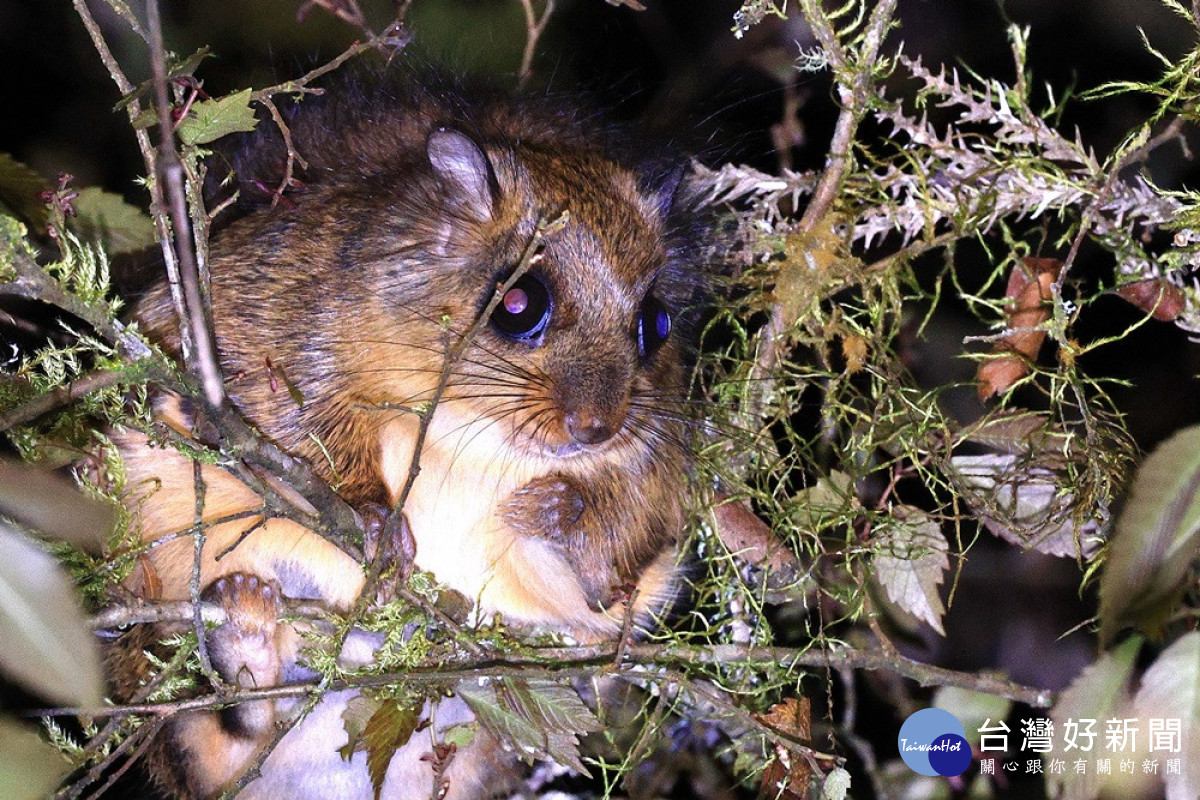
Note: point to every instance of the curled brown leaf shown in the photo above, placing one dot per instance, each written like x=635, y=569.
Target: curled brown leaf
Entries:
x=1162, y=300
x=1029, y=290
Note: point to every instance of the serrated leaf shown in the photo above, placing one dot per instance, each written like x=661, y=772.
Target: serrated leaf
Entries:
x=460, y=735
x=107, y=220
x=826, y=502
x=47, y=644
x=554, y=706
x=358, y=712
x=209, y=120
x=1011, y=431
x=910, y=559
x=538, y=718
x=1157, y=539
x=836, y=784
x=29, y=766
x=388, y=729
x=20, y=188
x=1098, y=693
x=1023, y=504
x=499, y=719
x=1171, y=690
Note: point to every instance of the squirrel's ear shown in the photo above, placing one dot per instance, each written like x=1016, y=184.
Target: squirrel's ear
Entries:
x=461, y=162
x=664, y=187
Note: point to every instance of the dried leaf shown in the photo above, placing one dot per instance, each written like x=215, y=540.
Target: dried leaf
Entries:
x=1159, y=298
x=537, y=718
x=209, y=120
x=1099, y=693
x=752, y=540
x=1011, y=431
x=1171, y=690
x=814, y=262
x=854, y=350
x=910, y=559
x=47, y=644
x=1023, y=503
x=792, y=717
x=836, y=785
x=1157, y=539
x=1029, y=290
x=997, y=375
x=29, y=766
x=787, y=776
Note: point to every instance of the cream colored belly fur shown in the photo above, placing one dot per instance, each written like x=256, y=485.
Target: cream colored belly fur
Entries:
x=466, y=473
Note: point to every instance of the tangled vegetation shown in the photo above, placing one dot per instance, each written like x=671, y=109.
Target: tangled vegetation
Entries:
x=845, y=494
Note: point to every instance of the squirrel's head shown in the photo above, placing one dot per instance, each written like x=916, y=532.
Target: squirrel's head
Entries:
x=409, y=216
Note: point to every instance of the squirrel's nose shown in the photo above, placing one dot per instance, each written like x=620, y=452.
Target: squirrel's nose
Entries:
x=588, y=428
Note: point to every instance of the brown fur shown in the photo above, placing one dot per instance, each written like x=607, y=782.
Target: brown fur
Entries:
x=415, y=204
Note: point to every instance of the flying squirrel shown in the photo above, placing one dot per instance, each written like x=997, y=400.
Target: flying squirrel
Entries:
x=552, y=483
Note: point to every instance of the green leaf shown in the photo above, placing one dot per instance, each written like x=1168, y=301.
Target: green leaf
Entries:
x=50, y=505
x=826, y=503
x=209, y=120
x=910, y=559
x=1157, y=539
x=1099, y=693
x=47, y=644
x=388, y=729
x=175, y=69
x=537, y=718
x=358, y=712
x=20, y=188
x=14, y=243
x=973, y=709
x=1171, y=690
x=106, y=219
x=29, y=766
x=460, y=735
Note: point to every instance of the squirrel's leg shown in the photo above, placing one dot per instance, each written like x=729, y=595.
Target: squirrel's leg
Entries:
x=245, y=650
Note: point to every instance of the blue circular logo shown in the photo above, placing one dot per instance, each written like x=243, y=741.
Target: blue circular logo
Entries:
x=933, y=742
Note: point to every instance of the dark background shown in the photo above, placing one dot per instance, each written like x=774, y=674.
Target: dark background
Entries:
x=678, y=66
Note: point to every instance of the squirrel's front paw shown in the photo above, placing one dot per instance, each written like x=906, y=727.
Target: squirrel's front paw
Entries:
x=550, y=506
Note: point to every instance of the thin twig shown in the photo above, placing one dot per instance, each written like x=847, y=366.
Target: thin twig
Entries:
x=198, y=345
x=853, y=79
x=529, y=257
x=293, y=157
x=534, y=26
x=645, y=661
x=63, y=395
x=199, y=488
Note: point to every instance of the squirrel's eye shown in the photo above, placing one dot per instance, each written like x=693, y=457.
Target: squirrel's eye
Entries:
x=524, y=311
x=653, y=326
